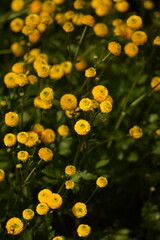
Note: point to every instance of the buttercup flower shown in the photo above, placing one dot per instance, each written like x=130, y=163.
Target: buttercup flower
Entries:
x=102, y=182
x=136, y=132
x=11, y=119
x=82, y=127
x=56, y=72
x=122, y=6
x=155, y=82
x=38, y=128
x=68, y=27
x=43, y=194
x=17, y=24
x=100, y=93
x=68, y=102
x=22, y=137
x=83, y=230
x=2, y=175
x=32, y=20
x=90, y=72
x=70, y=170
x=48, y=136
x=69, y=184
x=139, y=37
x=106, y=106
x=156, y=40
x=135, y=22
x=114, y=48
x=10, y=139
x=14, y=226
x=86, y=104
x=100, y=29
x=42, y=209
x=54, y=201
x=28, y=214
x=32, y=139
x=131, y=49
x=45, y=153
x=63, y=130
x=23, y=155
x=79, y=210
x=57, y=238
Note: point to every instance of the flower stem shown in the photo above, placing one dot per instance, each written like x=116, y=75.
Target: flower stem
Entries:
x=80, y=42
x=95, y=190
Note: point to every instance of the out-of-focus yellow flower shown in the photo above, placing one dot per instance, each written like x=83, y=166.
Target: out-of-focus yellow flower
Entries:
x=155, y=82
x=63, y=130
x=48, y=136
x=114, y=48
x=2, y=175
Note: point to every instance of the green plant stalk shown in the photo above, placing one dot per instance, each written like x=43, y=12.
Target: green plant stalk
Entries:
x=103, y=60
x=95, y=190
x=80, y=42
x=30, y=174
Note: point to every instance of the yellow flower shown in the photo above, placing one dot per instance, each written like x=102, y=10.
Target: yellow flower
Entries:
x=102, y=182
x=131, y=49
x=155, y=82
x=47, y=94
x=2, y=175
x=19, y=165
x=22, y=137
x=86, y=104
x=48, y=136
x=135, y=132
x=11, y=119
x=42, y=208
x=114, y=48
x=14, y=226
x=63, y=130
x=38, y=128
x=46, y=104
x=54, y=201
x=122, y=6
x=17, y=5
x=82, y=127
x=35, y=6
x=18, y=67
x=158, y=132
x=32, y=79
x=70, y=170
x=69, y=184
x=80, y=65
x=32, y=139
x=79, y=210
x=83, y=230
x=59, y=2
x=68, y=102
x=78, y=4
x=100, y=93
x=28, y=214
x=134, y=22
x=66, y=66
x=106, y=106
x=17, y=24
x=10, y=139
x=17, y=48
x=43, y=194
x=88, y=20
x=68, y=27
x=27, y=30
x=48, y=6
x=38, y=102
x=57, y=238
x=32, y=20
x=34, y=37
x=45, y=153
x=23, y=155
x=139, y=37
x=149, y=5
x=21, y=79
x=156, y=40
x=56, y=72
x=90, y=72
x=42, y=27
x=9, y=80
x=43, y=70
x=100, y=29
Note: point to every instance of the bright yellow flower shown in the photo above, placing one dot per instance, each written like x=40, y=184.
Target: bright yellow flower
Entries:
x=69, y=184
x=34, y=37
x=11, y=119
x=27, y=30
x=23, y=155
x=22, y=137
x=114, y=48
x=68, y=27
x=86, y=104
x=48, y=6
x=17, y=5
x=35, y=6
x=54, y=201
x=90, y=72
x=47, y=94
x=63, y=130
x=122, y=6
x=45, y=153
x=79, y=210
x=2, y=175
x=32, y=79
x=82, y=127
x=10, y=80
x=83, y=230
x=28, y=214
x=149, y=5
x=43, y=70
x=58, y=238
x=43, y=194
x=102, y=182
x=79, y=4
x=10, y=139
x=70, y=170
x=32, y=20
x=32, y=139
x=88, y=20
x=135, y=132
x=139, y=37
x=131, y=49
x=68, y=102
x=42, y=209
x=38, y=128
x=17, y=24
x=67, y=67
x=56, y=72
x=156, y=40
x=106, y=106
x=100, y=29
x=134, y=22
x=100, y=93
x=48, y=136
x=14, y=226
x=155, y=82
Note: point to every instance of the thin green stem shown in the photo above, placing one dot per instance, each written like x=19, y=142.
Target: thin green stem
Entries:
x=61, y=187
x=103, y=60
x=84, y=84
x=95, y=190
x=80, y=42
